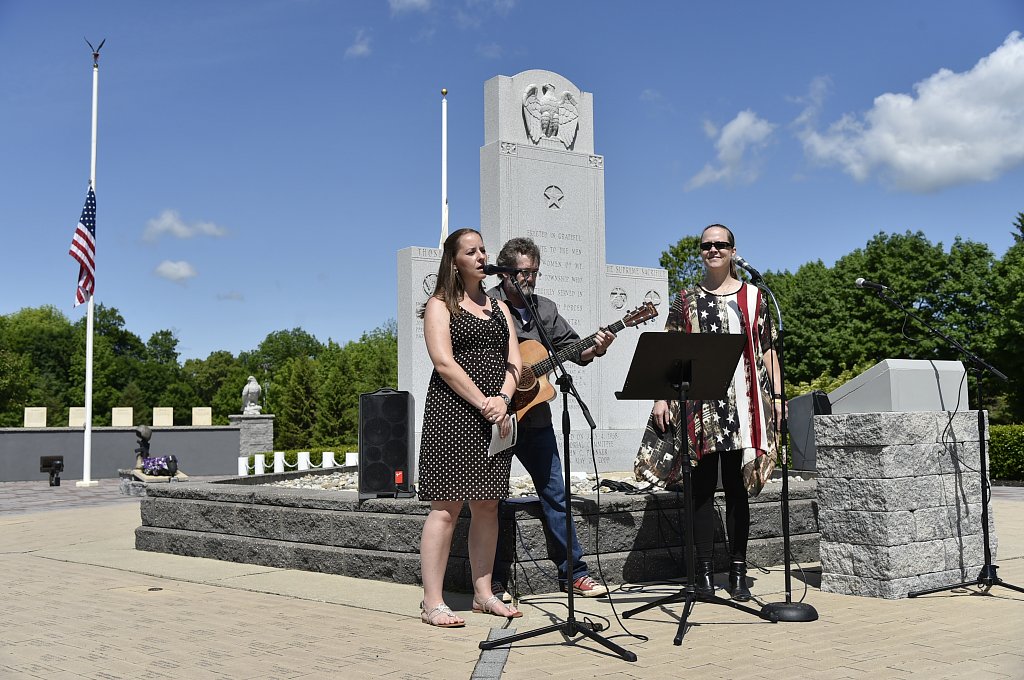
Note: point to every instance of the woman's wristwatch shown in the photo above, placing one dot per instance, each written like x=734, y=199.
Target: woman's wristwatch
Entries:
x=507, y=399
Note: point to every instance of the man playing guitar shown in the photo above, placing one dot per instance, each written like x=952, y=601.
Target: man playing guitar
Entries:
x=536, y=447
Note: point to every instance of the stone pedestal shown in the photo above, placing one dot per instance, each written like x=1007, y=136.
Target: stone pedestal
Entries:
x=899, y=497
x=255, y=433
x=134, y=483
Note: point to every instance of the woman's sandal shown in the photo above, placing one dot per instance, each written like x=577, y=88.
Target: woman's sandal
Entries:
x=430, y=618
x=488, y=607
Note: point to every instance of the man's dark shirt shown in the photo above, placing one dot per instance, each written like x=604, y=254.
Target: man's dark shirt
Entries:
x=559, y=331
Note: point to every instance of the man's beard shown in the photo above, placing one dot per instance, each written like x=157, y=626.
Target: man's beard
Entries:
x=526, y=287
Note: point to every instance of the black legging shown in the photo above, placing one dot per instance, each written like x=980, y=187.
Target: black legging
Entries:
x=737, y=509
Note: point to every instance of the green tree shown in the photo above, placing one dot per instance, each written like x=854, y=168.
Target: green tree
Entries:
x=333, y=398
x=296, y=416
x=180, y=395
x=685, y=268
x=108, y=323
x=162, y=348
x=217, y=382
x=15, y=385
x=45, y=337
x=831, y=325
x=281, y=346
x=362, y=366
x=1018, y=225
x=142, y=409
x=1008, y=325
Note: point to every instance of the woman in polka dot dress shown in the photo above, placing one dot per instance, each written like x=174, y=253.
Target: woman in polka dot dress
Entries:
x=476, y=368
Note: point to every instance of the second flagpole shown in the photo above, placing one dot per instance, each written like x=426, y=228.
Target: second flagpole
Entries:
x=444, y=167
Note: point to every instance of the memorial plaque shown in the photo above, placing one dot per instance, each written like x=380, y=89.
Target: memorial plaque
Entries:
x=76, y=416
x=121, y=416
x=202, y=416
x=163, y=416
x=35, y=416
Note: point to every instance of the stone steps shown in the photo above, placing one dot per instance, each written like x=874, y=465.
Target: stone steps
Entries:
x=333, y=532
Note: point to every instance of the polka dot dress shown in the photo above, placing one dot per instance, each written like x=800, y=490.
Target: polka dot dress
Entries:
x=453, y=462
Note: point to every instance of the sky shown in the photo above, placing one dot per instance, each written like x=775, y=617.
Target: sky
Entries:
x=262, y=162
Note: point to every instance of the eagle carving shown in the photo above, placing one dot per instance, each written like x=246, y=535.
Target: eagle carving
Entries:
x=551, y=115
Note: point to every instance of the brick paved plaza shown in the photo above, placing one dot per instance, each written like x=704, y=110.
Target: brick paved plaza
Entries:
x=78, y=601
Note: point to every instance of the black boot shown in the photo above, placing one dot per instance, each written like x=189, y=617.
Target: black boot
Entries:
x=738, y=582
x=705, y=577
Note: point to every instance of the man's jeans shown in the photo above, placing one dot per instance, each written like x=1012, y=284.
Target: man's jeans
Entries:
x=537, y=450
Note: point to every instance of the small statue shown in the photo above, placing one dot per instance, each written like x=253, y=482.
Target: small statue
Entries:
x=142, y=434
x=149, y=468
x=251, y=398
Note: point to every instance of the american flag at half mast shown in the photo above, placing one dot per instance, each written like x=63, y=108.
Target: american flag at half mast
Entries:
x=83, y=249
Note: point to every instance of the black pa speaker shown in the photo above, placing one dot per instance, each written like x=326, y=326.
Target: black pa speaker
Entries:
x=386, y=440
x=800, y=419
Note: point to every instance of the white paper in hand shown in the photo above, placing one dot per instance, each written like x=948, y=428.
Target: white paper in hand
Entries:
x=498, y=443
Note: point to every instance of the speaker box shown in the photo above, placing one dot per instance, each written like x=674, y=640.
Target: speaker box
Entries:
x=386, y=440
x=800, y=412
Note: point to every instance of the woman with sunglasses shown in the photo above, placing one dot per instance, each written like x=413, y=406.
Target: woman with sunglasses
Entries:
x=738, y=433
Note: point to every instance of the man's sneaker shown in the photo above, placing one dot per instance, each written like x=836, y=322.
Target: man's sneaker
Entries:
x=586, y=586
x=498, y=589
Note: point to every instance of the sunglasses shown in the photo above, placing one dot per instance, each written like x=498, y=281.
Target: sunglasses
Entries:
x=717, y=245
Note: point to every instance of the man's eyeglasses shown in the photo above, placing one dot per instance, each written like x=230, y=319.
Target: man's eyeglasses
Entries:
x=717, y=245
x=531, y=273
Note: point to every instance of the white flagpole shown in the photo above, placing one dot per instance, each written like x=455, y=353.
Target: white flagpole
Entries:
x=87, y=448
x=444, y=167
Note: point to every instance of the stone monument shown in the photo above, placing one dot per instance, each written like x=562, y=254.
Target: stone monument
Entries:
x=255, y=429
x=541, y=177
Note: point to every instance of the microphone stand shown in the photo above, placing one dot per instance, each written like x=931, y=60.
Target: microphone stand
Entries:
x=987, y=576
x=570, y=627
x=788, y=610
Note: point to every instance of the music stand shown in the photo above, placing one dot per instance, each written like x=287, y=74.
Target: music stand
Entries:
x=682, y=367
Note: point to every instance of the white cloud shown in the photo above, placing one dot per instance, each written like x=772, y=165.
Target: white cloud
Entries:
x=651, y=95
x=738, y=139
x=170, y=223
x=400, y=6
x=360, y=47
x=467, y=20
x=503, y=7
x=178, y=272
x=489, y=51
x=956, y=128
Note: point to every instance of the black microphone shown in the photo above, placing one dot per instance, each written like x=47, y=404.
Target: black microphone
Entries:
x=861, y=283
x=497, y=269
x=754, y=274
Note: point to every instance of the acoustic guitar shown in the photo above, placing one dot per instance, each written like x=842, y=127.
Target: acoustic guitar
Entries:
x=534, y=386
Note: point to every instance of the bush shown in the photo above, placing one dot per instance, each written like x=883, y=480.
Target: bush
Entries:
x=291, y=458
x=1006, y=452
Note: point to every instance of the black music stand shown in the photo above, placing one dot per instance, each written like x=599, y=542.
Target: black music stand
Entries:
x=684, y=366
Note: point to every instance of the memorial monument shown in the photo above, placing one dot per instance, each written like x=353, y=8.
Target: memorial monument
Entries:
x=541, y=177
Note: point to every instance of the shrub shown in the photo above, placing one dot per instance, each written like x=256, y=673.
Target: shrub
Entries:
x=1006, y=452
